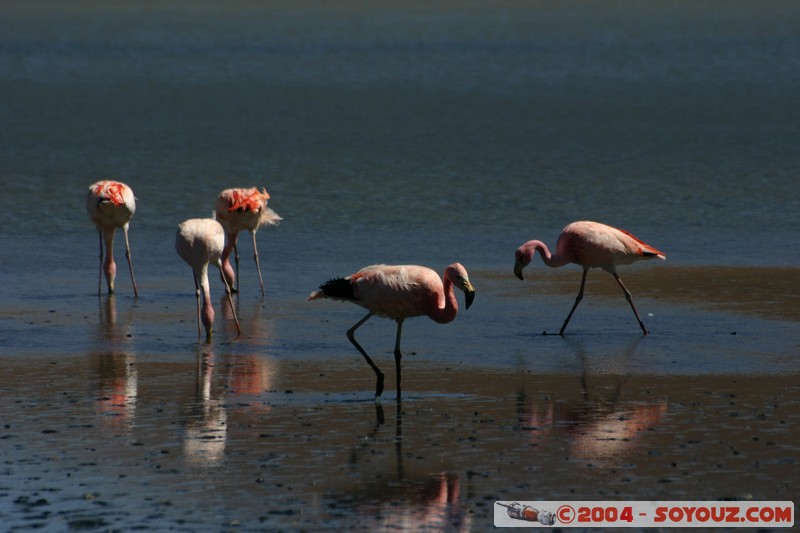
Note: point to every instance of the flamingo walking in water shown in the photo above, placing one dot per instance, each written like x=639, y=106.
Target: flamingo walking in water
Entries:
x=399, y=292
x=111, y=205
x=237, y=210
x=590, y=245
x=200, y=241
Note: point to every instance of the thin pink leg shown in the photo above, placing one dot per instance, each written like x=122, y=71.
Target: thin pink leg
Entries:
x=230, y=299
x=258, y=265
x=100, y=270
x=130, y=264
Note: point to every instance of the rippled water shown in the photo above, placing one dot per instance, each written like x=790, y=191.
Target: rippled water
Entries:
x=400, y=133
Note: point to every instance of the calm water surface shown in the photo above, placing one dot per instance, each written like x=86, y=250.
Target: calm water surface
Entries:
x=398, y=133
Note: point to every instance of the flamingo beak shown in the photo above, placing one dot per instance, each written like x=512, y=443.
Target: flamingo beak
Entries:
x=518, y=266
x=469, y=293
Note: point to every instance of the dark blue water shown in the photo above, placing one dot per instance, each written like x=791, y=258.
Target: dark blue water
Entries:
x=400, y=132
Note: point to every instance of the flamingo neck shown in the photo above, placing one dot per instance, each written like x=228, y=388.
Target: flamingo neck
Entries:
x=207, y=313
x=448, y=313
x=109, y=266
x=553, y=261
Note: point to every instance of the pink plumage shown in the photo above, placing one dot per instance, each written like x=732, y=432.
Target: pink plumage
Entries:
x=199, y=242
x=238, y=210
x=111, y=205
x=590, y=245
x=399, y=292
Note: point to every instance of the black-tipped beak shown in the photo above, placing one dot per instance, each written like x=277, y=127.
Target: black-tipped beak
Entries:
x=518, y=269
x=469, y=294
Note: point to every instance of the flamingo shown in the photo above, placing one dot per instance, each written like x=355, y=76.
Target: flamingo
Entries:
x=199, y=241
x=399, y=292
x=111, y=205
x=237, y=210
x=590, y=245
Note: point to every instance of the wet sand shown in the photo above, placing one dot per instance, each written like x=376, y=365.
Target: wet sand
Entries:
x=209, y=454
x=238, y=437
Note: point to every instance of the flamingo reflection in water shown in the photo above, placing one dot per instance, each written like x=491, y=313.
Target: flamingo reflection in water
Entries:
x=114, y=367
x=117, y=384
x=206, y=433
x=252, y=374
x=404, y=501
x=426, y=503
x=599, y=427
x=431, y=503
x=595, y=432
x=216, y=382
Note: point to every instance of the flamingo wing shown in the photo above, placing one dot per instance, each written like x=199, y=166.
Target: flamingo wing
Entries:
x=397, y=291
x=640, y=247
x=596, y=245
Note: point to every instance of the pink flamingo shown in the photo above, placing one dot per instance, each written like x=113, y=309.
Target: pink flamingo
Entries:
x=237, y=210
x=590, y=245
x=399, y=292
x=200, y=241
x=111, y=205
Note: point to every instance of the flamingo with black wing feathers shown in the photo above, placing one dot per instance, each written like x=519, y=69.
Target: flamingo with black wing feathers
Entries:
x=399, y=292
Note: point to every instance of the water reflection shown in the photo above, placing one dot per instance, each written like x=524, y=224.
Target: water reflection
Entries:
x=255, y=327
x=216, y=379
x=429, y=503
x=109, y=328
x=599, y=426
x=206, y=432
x=250, y=374
x=403, y=501
x=108, y=314
x=116, y=379
x=115, y=386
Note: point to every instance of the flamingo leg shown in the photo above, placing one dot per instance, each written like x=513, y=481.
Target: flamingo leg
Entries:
x=398, y=355
x=128, y=257
x=258, y=265
x=228, y=292
x=577, y=301
x=630, y=301
x=100, y=272
x=197, y=297
x=378, y=373
x=236, y=259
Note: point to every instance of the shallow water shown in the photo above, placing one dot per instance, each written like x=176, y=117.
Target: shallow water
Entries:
x=221, y=441
x=397, y=133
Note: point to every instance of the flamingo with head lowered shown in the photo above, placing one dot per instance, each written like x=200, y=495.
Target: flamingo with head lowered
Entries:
x=199, y=242
x=237, y=210
x=111, y=205
x=399, y=292
x=590, y=245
